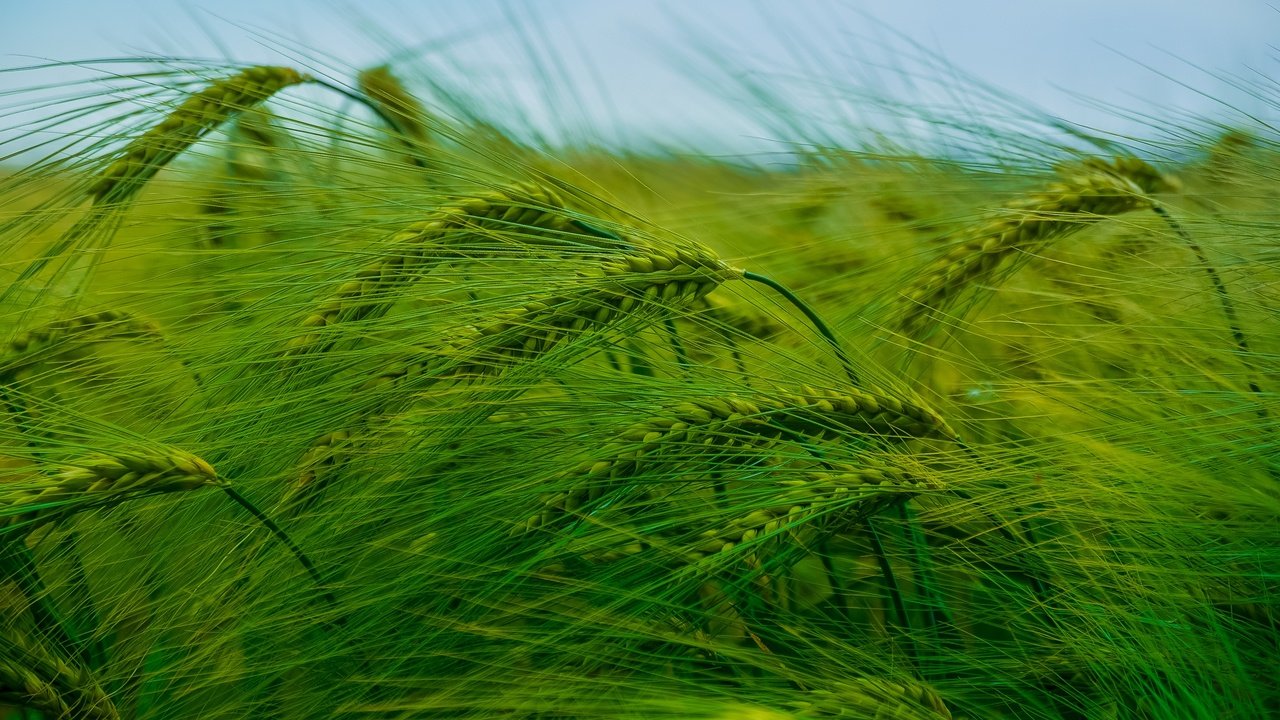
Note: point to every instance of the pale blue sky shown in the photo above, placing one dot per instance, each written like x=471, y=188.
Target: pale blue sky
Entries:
x=635, y=64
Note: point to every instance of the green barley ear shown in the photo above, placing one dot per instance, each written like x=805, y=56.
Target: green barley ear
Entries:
x=1087, y=194
x=103, y=481
x=147, y=154
x=31, y=676
x=407, y=114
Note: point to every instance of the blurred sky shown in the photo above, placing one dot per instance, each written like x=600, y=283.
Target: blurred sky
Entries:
x=638, y=67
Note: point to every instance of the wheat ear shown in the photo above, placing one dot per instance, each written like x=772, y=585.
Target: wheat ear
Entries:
x=415, y=249
x=32, y=346
x=34, y=677
x=615, y=290
x=728, y=421
x=108, y=480
x=397, y=104
x=197, y=115
x=146, y=154
x=1094, y=191
x=610, y=292
x=830, y=501
x=102, y=481
x=827, y=501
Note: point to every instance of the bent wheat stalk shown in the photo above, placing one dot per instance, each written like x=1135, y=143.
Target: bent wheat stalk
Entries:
x=813, y=317
x=1220, y=289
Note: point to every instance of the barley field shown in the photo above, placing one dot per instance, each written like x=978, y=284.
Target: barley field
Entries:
x=329, y=395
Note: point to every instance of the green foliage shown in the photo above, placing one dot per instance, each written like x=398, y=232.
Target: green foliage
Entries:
x=548, y=454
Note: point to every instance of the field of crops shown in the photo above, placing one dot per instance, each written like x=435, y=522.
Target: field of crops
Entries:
x=321, y=396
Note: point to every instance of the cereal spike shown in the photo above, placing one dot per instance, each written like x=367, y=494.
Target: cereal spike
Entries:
x=196, y=116
x=755, y=422
x=831, y=501
x=416, y=248
x=616, y=290
x=33, y=677
x=1094, y=191
x=31, y=346
x=103, y=480
x=387, y=92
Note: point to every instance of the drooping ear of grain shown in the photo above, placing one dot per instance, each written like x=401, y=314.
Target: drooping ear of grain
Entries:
x=828, y=501
x=757, y=422
x=666, y=279
x=142, y=158
x=33, y=346
x=102, y=481
x=399, y=106
x=514, y=214
x=32, y=676
x=820, y=502
x=1095, y=190
x=656, y=279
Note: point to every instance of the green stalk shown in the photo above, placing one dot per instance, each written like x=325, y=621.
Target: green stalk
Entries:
x=811, y=315
x=284, y=538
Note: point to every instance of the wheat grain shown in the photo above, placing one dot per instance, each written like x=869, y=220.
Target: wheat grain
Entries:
x=731, y=421
x=1094, y=191
x=142, y=158
x=102, y=481
x=416, y=248
x=36, y=345
x=34, y=677
x=400, y=106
